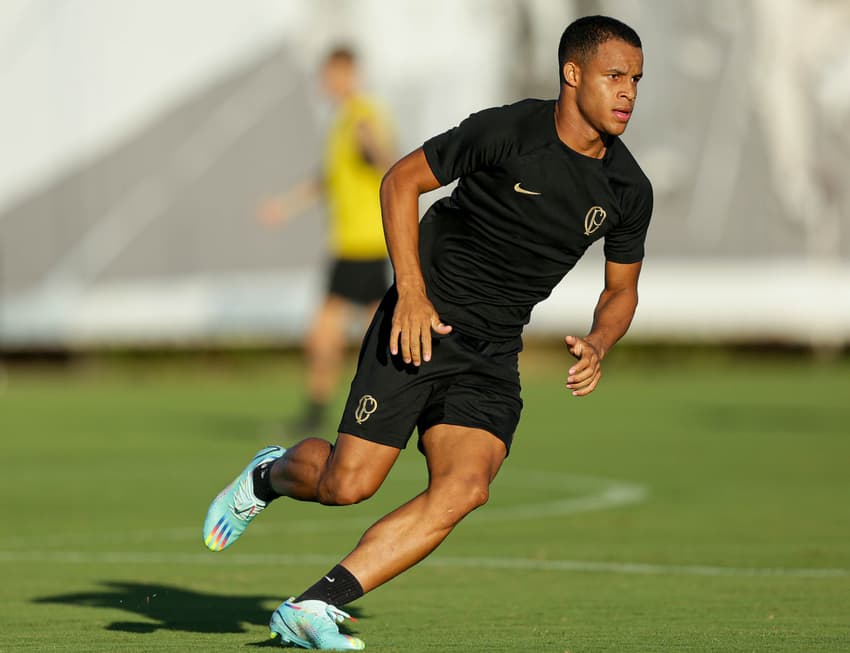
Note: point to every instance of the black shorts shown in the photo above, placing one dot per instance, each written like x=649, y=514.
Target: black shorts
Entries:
x=467, y=382
x=360, y=282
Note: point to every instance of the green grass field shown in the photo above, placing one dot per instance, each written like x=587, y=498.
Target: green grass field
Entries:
x=693, y=503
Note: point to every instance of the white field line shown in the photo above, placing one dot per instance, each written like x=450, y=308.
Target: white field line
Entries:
x=589, y=494
x=594, y=494
x=526, y=564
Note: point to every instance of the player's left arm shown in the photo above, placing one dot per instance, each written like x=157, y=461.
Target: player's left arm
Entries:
x=611, y=319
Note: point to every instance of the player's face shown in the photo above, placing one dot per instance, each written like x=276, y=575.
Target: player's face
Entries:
x=338, y=79
x=607, y=86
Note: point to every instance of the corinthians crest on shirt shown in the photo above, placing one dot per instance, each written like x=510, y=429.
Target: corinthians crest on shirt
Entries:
x=594, y=219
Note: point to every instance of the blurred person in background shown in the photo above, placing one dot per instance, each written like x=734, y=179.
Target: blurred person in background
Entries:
x=539, y=182
x=358, y=151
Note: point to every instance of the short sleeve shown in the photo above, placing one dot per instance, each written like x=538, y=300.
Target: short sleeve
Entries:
x=625, y=243
x=480, y=141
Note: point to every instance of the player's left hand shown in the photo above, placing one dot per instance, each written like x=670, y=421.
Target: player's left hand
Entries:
x=585, y=374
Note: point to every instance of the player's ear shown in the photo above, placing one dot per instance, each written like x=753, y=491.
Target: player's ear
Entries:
x=572, y=74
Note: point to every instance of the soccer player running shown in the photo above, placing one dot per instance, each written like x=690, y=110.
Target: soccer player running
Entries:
x=540, y=181
x=358, y=150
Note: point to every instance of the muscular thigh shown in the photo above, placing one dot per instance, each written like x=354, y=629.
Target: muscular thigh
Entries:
x=460, y=451
x=358, y=466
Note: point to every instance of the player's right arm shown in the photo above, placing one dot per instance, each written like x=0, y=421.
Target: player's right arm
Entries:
x=414, y=314
x=481, y=140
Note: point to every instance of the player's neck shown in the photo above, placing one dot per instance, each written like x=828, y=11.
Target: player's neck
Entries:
x=575, y=132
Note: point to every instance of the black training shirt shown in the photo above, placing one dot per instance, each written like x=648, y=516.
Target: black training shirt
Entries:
x=524, y=211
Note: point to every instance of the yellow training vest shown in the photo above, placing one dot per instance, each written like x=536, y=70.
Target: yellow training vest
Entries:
x=352, y=185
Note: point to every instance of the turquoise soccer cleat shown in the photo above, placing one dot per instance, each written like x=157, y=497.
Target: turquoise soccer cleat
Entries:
x=312, y=624
x=236, y=505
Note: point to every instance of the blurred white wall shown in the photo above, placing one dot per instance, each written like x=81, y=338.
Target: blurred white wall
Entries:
x=79, y=76
x=138, y=137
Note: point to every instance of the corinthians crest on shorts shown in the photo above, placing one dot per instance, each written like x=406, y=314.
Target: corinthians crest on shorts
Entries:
x=365, y=407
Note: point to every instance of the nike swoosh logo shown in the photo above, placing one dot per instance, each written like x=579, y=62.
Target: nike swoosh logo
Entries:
x=520, y=189
x=239, y=512
x=330, y=580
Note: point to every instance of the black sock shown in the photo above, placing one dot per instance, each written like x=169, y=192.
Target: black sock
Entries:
x=263, y=489
x=337, y=588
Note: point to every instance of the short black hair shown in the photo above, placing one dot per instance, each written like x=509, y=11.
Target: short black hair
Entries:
x=582, y=37
x=342, y=53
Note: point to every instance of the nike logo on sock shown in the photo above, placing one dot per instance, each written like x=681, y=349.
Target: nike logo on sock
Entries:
x=330, y=580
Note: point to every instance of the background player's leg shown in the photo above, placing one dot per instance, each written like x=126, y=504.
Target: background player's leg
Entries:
x=349, y=471
x=462, y=462
x=325, y=347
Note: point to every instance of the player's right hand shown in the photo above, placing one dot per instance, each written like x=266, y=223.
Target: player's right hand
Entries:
x=413, y=319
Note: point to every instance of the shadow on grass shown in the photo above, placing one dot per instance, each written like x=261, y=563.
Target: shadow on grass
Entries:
x=172, y=608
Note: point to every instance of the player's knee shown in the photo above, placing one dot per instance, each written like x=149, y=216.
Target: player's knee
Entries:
x=343, y=490
x=476, y=495
x=460, y=498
